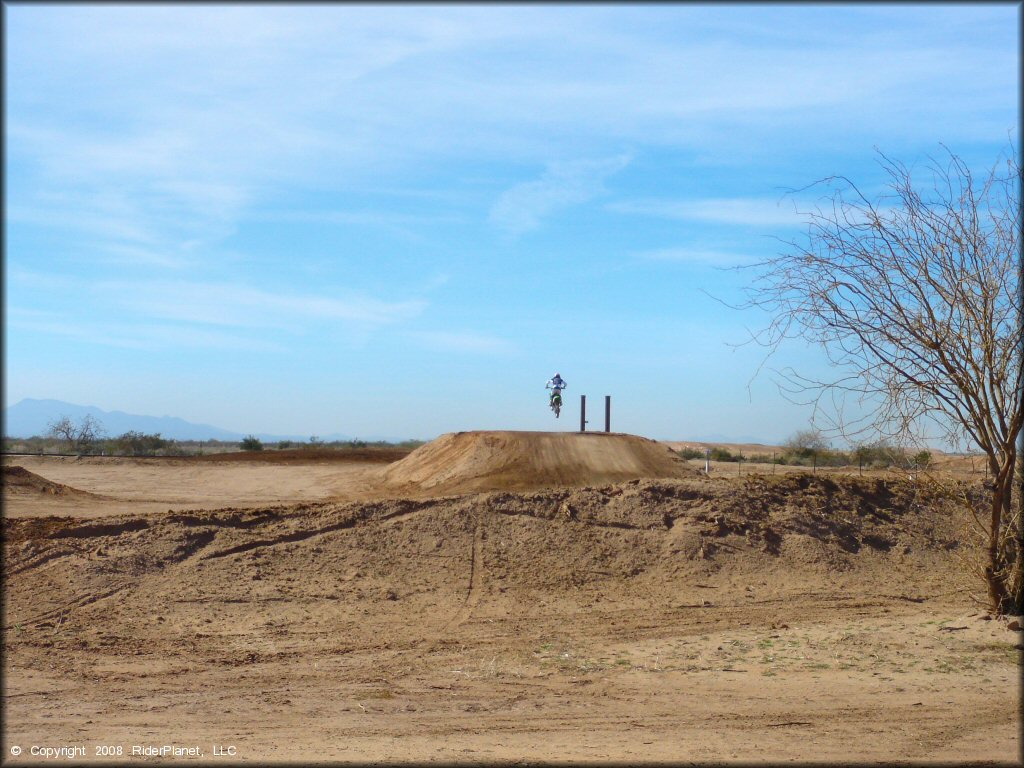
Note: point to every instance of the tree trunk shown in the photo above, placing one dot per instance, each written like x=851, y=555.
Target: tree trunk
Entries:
x=1013, y=553
x=1005, y=570
x=1013, y=603
x=1019, y=569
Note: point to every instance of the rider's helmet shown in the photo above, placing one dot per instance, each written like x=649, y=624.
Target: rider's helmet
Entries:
x=557, y=376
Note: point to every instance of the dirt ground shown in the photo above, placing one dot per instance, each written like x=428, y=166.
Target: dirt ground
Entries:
x=97, y=486
x=311, y=610
x=467, y=462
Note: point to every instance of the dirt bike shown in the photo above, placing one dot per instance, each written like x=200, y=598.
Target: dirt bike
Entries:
x=556, y=401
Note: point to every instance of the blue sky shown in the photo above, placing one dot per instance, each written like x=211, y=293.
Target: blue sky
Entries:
x=401, y=220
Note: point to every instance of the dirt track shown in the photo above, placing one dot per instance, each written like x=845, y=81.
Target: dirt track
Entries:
x=102, y=486
x=468, y=462
x=672, y=619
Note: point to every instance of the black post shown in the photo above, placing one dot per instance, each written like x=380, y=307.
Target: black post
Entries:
x=607, y=413
x=583, y=413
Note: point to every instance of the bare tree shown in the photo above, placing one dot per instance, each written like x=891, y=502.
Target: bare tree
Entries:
x=915, y=298
x=63, y=429
x=78, y=438
x=804, y=442
x=90, y=432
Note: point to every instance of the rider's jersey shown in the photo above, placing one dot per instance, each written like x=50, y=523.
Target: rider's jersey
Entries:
x=556, y=383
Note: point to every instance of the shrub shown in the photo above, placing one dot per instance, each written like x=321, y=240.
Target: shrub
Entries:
x=134, y=443
x=724, y=454
x=879, y=455
x=251, y=443
x=691, y=453
x=806, y=443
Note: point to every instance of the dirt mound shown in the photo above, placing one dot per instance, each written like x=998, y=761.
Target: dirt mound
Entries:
x=468, y=462
x=647, y=540
x=18, y=480
x=643, y=610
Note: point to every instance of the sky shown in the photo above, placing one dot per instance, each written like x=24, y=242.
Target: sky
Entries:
x=400, y=220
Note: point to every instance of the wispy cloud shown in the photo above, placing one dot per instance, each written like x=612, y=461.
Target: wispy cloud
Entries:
x=185, y=128
x=741, y=211
x=197, y=304
x=236, y=305
x=457, y=341
x=125, y=254
x=142, y=336
x=563, y=184
x=287, y=176
x=701, y=256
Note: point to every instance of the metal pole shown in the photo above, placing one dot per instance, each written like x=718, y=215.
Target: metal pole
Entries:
x=607, y=413
x=583, y=413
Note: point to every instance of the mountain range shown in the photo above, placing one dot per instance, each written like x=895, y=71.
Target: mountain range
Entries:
x=31, y=418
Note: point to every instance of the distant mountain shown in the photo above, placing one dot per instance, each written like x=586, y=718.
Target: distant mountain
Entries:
x=31, y=418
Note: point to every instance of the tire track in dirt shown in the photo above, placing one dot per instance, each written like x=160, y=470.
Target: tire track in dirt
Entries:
x=103, y=529
x=192, y=546
x=42, y=557
x=941, y=743
x=69, y=607
x=476, y=575
x=302, y=535
x=568, y=513
x=474, y=590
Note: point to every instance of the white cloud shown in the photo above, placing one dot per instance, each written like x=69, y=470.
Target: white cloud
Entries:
x=474, y=343
x=146, y=257
x=563, y=185
x=742, y=211
x=196, y=304
x=407, y=225
x=93, y=217
x=192, y=113
x=685, y=255
x=138, y=336
x=240, y=306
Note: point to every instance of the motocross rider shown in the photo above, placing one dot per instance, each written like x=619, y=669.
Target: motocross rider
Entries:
x=556, y=384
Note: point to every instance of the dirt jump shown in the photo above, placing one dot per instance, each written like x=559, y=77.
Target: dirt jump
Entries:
x=468, y=462
x=19, y=481
x=493, y=598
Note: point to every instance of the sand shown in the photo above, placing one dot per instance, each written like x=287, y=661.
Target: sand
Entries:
x=466, y=462
x=357, y=611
